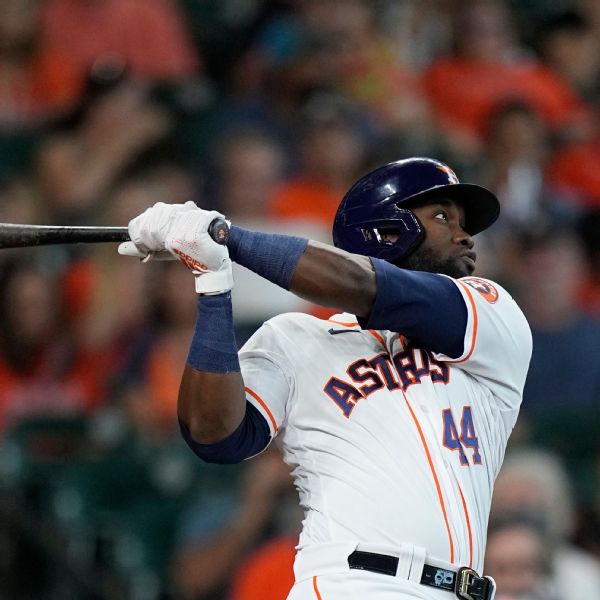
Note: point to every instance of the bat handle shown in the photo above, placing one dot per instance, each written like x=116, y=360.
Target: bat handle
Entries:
x=219, y=231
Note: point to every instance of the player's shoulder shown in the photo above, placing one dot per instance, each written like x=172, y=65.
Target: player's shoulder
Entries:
x=490, y=291
x=489, y=297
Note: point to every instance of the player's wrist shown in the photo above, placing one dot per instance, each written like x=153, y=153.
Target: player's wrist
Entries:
x=213, y=347
x=270, y=255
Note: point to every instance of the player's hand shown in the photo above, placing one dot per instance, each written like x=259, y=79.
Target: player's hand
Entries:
x=148, y=231
x=181, y=231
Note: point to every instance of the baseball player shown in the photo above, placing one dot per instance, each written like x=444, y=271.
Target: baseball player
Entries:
x=394, y=414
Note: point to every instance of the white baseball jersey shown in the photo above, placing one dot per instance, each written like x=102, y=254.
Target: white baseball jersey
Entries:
x=391, y=443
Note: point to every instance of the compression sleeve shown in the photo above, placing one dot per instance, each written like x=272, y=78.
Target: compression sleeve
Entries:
x=251, y=437
x=425, y=307
x=269, y=255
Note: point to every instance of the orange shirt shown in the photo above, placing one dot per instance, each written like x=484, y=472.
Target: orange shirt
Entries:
x=464, y=93
x=76, y=390
x=306, y=199
x=149, y=35
x=574, y=169
x=46, y=87
x=267, y=573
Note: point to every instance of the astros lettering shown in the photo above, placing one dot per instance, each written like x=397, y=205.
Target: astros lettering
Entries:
x=366, y=376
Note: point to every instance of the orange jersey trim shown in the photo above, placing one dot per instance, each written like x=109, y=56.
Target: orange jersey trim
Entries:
x=377, y=336
x=475, y=323
x=265, y=407
x=464, y=503
x=343, y=324
x=435, y=477
x=316, y=588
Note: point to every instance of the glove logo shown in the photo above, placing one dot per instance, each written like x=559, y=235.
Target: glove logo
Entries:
x=189, y=262
x=485, y=288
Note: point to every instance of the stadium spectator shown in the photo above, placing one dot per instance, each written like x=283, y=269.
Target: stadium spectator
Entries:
x=81, y=159
x=569, y=46
x=514, y=165
x=566, y=342
x=42, y=370
x=249, y=168
x=332, y=150
x=225, y=525
x=148, y=36
x=534, y=485
x=519, y=559
x=489, y=66
x=571, y=168
x=36, y=83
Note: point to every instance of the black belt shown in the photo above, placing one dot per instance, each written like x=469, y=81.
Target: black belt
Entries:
x=465, y=582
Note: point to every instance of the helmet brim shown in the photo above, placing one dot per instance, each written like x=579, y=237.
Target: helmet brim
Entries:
x=481, y=206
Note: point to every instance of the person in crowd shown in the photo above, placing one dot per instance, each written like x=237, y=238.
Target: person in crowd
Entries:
x=565, y=340
x=227, y=525
x=534, y=485
x=42, y=370
x=489, y=60
x=571, y=168
x=517, y=557
x=81, y=159
x=37, y=84
x=331, y=152
x=568, y=45
x=149, y=37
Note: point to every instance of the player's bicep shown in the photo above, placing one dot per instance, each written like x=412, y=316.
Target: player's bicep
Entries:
x=425, y=307
x=251, y=437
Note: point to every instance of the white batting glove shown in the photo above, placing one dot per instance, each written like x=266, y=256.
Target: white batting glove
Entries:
x=189, y=240
x=180, y=231
x=148, y=230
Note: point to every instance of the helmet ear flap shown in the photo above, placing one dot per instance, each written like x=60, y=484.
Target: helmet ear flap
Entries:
x=363, y=232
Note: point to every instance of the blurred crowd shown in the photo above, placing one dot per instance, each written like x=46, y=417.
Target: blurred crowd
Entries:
x=268, y=111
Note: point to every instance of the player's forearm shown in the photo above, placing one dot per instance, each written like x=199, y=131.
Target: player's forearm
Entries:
x=212, y=402
x=331, y=277
x=314, y=271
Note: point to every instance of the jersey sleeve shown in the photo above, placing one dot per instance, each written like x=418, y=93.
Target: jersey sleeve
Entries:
x=497, y=343
x=268, y=374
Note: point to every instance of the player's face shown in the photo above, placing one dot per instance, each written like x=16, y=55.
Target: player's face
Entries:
x=447, y=247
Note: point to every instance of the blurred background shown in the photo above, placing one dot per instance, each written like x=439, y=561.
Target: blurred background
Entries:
x=268, y=111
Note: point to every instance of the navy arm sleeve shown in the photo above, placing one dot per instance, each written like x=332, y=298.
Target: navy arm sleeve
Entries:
x=427, y=308
x=248, y=439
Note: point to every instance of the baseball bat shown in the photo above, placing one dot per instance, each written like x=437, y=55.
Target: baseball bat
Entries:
x=14, y=235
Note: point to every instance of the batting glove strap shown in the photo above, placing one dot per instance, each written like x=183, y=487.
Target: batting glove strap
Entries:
x=215, y=282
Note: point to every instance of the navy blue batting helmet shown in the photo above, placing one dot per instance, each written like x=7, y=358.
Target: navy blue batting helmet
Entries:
x=381, y=200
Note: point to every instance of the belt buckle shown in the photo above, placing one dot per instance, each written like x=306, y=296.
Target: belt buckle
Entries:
x=465, y=581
